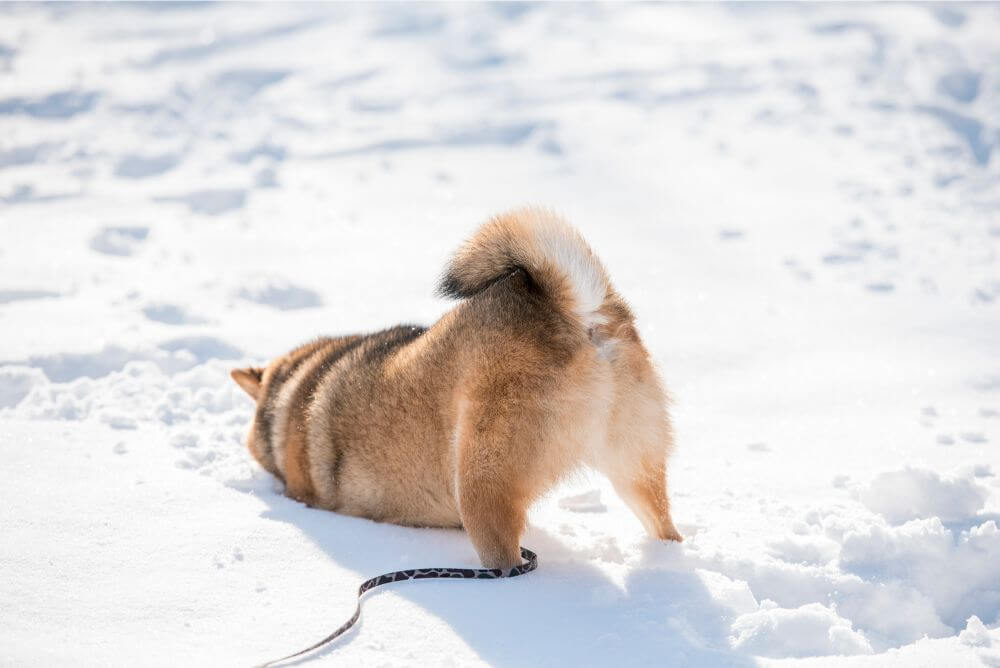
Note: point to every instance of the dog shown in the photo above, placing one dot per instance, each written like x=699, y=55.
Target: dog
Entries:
x=537, y=371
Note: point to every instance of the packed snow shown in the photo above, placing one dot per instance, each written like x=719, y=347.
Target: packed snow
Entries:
x=802, y=204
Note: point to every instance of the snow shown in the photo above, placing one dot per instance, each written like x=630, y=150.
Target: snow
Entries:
x=904, y=495
x=810, y=630
x=801, y=203
x=585, y=502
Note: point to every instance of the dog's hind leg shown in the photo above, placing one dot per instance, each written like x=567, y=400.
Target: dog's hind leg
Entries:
x=642, y=484
x=494, y=519
x=639, y=441
x=494, y=483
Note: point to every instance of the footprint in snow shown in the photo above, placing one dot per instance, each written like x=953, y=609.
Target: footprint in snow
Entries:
x=881, y=287
x=265, y=150
x=8, y=296
x=122, y=241
x=211, y=202
x=66, y=367
x=927, y=416
x=266, y=178
x=200, y=349
x=798, y=270
x=278, y=293
x=948, y=16
x=61, y=104
x=171, y=314
x=961, y=85
x=144, y=166
x=237, y=555
x=118, y=421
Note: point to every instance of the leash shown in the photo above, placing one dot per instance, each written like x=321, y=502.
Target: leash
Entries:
x=530, y=563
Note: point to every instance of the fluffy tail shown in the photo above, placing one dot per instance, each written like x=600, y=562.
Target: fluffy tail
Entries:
x=541, y=243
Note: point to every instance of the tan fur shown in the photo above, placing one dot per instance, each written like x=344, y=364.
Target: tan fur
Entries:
x=539, y=370
x=300, y=387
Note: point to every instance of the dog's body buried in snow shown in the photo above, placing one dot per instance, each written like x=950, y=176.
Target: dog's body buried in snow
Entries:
x=536, y=371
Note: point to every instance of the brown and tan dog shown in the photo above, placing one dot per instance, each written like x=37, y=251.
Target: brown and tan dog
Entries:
x=537, y=371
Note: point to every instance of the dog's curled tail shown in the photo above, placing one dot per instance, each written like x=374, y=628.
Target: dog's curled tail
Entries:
x=541, y=243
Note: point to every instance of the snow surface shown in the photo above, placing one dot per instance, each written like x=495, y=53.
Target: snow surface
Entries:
x=801, y=203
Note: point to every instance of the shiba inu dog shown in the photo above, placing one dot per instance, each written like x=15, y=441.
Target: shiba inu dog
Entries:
x=536, y=371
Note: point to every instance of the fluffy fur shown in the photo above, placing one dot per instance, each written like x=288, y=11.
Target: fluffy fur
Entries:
x=537, y=370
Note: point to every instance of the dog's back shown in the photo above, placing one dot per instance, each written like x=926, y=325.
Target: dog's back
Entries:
x=537, y=370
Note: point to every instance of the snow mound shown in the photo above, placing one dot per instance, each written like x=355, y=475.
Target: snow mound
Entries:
x=900, y=496
x=809, y=630
x=733, y=594
x=16, y=383
x=975, y=633
x=203, y=413
x=957, y=572
x=895, y=583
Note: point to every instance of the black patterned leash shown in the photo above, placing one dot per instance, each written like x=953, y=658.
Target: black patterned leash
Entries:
x=530, y=564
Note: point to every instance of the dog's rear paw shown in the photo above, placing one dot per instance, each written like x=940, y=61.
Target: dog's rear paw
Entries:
x=672, y=534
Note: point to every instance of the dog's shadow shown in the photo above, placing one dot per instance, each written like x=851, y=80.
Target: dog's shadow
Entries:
x=565, y=613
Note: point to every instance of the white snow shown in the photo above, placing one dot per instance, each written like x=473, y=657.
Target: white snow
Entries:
x=800, y=202
x=810, y=630
x=904, y=495
x=585, y=502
